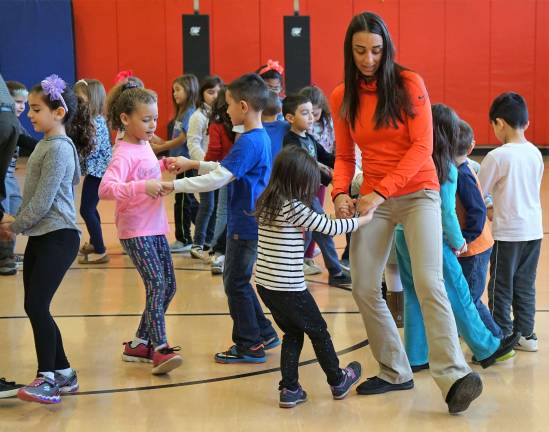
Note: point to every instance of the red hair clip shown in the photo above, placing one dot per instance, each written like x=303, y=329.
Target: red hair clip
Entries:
x=122, y=75
x=272, y=65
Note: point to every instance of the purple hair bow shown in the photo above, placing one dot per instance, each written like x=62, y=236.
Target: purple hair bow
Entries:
x=53, y=86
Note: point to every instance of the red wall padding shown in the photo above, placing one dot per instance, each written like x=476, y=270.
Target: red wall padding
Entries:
x=468, y=51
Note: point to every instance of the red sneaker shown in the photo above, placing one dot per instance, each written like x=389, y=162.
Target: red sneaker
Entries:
x=141, y=353
x=166, y=360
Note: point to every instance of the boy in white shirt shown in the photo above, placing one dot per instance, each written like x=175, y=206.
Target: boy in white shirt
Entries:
x=512, y=175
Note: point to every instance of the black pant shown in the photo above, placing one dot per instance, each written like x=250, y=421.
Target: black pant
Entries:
x=185, y=210
x=88, y=211
x=296, y=313
x=513, y=268
x=47, y=259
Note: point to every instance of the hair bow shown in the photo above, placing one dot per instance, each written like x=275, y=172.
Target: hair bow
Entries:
x=53, y=86
x=272, y=65
x=123, y=74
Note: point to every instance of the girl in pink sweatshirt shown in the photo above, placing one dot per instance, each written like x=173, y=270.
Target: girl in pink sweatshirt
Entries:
x=133, y=179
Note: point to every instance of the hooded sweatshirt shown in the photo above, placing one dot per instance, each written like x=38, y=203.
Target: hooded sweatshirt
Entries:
x=53, y=170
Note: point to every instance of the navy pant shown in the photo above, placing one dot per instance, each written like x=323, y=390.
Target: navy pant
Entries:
x=297, y=314
x=475, y=270
x=152, y=259
x=250, y=327
x=88, y=211
x=47, y=259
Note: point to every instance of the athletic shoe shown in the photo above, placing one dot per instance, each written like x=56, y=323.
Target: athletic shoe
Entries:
x=310, y=267
x=529, y=343
x=41, y=390
x=342, y=280
x=376, y=385
x=464, y=391
x=239, y=355
x=8, y=266
x=345, y=264
x=67, y=384
x=271, y=343
x=351, y=375
x=8, y=388
x=218, y=264
x=198, y=252
x=178, y=247
x=141, y=353
x=289, y=398
x=19, y=258
x=87, y=248
x=505, y=347
x=165, y=360
x=94, y=258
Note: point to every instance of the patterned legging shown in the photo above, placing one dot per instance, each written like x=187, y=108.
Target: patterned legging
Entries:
x=152, y=259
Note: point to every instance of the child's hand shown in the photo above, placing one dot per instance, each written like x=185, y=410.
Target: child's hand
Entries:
x=153, y=188
x=167, y=188
x=363, y=220
x=490, y=213
x=462, y=250
x=6, y=232
x=179, y=164
x=7, y=218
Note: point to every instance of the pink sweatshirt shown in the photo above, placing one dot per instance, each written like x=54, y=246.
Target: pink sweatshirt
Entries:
x=137, y=214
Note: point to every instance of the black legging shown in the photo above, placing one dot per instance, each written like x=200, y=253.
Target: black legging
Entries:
x=47, y=259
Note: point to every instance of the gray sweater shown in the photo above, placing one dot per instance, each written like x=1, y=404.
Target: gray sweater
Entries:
x=48, y=196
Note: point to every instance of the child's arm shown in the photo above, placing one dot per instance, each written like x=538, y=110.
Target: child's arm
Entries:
x=301, y=216
x=473, y=204
x=170, y=144
x=450, y=223
x=488, y=174
x=212, y=176
x=197, y=124
x=113, y=186
x=51, y=174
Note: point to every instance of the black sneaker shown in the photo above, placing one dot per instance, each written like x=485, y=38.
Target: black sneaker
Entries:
x=505, y=347
x=464, y=391
x=271, y=343
x=419, y=368
x=376, y=385
x=240, y=355
x=351, y=375
x=289, y=398
x=342, y=280
x=8, y=388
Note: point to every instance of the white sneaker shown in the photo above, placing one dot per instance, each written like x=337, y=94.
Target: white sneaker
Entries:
x=529, y=343
x=218, y=264
x=178, y=247
x=199, y=253
x=311, y=268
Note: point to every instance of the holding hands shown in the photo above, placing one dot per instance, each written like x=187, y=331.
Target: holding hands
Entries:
x=180, y=164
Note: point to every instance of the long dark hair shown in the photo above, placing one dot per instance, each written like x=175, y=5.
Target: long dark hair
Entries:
x=295, y=175
x=208, y=82
x=219, y=114
x=445, y=138
x=190, y=83
x=78, y=121
x=393, y=101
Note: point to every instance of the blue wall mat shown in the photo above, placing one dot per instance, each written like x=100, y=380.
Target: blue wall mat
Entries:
x=36, y=40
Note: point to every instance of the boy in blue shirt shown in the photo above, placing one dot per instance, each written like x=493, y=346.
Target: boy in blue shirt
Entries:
x=246, y=169
x=276, y=129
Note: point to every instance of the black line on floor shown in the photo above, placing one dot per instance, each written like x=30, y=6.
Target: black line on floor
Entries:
x=213, y=380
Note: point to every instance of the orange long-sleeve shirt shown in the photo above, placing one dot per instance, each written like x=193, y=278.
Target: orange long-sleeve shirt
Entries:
x=395, y=161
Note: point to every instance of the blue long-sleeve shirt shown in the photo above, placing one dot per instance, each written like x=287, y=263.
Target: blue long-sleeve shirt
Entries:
x=472, y=202
x=450, y=224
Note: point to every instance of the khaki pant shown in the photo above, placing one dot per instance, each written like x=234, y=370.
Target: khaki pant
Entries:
x=370, y=246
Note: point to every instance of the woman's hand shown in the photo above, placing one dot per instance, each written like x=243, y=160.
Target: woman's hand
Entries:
x=344, y=206
x=368, y=202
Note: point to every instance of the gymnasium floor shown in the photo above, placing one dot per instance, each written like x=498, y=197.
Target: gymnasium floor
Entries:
x=97, y=308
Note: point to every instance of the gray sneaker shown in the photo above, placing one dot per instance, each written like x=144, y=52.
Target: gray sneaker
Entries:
x=41, y=390
x=351, y=375
x=8, y=267
x=67, y=384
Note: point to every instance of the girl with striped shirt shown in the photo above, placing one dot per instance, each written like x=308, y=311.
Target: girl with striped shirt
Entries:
x=283, y=213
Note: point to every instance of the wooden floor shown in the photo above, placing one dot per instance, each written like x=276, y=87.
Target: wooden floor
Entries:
x=97, y=308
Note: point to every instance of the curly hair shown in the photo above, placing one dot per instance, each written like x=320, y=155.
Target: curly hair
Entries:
x=77, y=120
x=125, y=98
x=219, y=114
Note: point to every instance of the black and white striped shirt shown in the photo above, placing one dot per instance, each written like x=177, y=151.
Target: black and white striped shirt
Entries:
x=280, y=246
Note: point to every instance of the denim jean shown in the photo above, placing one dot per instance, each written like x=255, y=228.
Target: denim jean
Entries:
x=88, y=211
x=13, y=193
x=205, y=219
x=475, y=270
x=324, y=242
x=250, y=327
x=221, y=214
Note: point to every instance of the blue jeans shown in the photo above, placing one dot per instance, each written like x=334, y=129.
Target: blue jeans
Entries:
x=475, y=334
x=250, y=327
x=221, y=214
x=324, y=242
x=205, y=219
x=13, y=193
x=88, y=211
x=475, y=270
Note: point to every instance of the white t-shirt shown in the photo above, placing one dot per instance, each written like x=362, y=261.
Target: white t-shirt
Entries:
x=512, y=175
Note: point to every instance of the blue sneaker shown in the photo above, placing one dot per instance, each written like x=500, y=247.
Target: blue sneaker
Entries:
x=238, y=355
x=271, y=343
x=289, y=398
x=351, y=375
x=66, y=384
x=41, y=390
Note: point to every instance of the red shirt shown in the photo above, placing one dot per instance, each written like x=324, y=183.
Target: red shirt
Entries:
x=220, y=143
x=395, y=161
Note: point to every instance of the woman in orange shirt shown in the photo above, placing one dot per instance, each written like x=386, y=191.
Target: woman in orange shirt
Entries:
x=385, y=109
